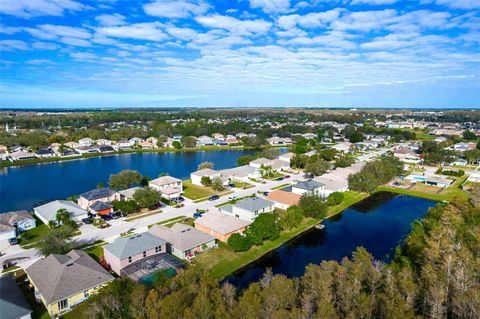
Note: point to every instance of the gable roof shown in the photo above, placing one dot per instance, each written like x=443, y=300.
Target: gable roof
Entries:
x=60, y=276
x=220, y=222
x=98, y=206
x=253, y=204
x=13, y=304
x=308, y=185
x=164, y=180
x=98, y=193
x=181, y=236
x=11, y=218
x=49, y=210
x=124, y=247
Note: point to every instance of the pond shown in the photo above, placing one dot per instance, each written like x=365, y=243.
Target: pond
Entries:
x=379, y=223
x=24, y=187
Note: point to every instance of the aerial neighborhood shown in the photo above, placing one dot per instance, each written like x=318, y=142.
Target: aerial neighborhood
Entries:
x=299, y=170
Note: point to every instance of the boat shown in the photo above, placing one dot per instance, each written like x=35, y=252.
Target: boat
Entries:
x=319, y=226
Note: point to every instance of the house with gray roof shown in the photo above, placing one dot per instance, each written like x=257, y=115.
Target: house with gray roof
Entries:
x=249, y=208
x=48, y=211
x=184, y=241
x=220, y=225
x=63, y=281
x=13, y=304
x=12, y=223
x=308, y=186
x=124, y=251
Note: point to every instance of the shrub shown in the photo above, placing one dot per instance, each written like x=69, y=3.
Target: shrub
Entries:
x=239, y=242
x=334, y=198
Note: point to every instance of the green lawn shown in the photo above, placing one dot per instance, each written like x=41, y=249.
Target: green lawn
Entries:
x=431, y=192
x=239, y=184
x=168, y=221
x=184, y=220
x=280, y=186
x=223, y=261
x=195, y=192
x=29, y=237
x=95, y=251
x=141, y=215
x=233, y=201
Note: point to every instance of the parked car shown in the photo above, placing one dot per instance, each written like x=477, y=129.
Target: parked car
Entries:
x=266, y=193
x=87, y=220
x=116, y=215
x=106, y=217
x=13, y=241
x=180, y=205
x=279, y=179
x=286, y=176
x=214, y=197
x=106, y=225
x=197, y=215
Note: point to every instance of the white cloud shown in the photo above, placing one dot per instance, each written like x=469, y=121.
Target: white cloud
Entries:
x=111, y=19
x=241, y=27
x=175, y=9
x=141, y=31
x=310, y=20
x=35, y=8
x=84, y=56
x=365, y=20
x=181, y=33
x=271, y=6
x=44, y=46
x=373, y=2
x=460, y=4
x=13, y=45
x=52, y=32
x=38, y=61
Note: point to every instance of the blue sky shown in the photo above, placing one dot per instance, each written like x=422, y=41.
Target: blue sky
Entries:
x=247, y=53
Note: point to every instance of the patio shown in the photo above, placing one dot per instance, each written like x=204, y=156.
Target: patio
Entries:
x=154, y=263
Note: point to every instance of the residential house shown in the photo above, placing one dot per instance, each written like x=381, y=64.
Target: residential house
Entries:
x=440, y=139
x=283, y=199
x=127, y=194
x=196, y=176
x=105, y=195
x=241, y=135
x=249, y=208
x=407, y=155
x=287, y=157
x=310, y=136
x=331, y=185
x=474, y=178
x=153, y=141
x=146, y=145
x=21, y=156
x=106, y=149
x=3, y=153
x=13, y=223
x=85, y=141
x=125, y=251
x=101, y=208
x=184, y=241
x=169, y=186
x=103, y=142
x=240, y=173
x=220, y=225
x=430, y=179
x=275, y=140
x=134, y=141
x=13, y=304
x=45, y=153
x=230, y=139
x=344, y=147
x=462, y=147
x=204, y=140
x=177, y=138
x=63, y=281
x=123, y=144
x=87, y=149
x=259, y=162
x=218, y=136
x=48, y=212
x=308, y=186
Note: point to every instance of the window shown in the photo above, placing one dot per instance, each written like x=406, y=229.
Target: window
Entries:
x=129, y=259
x=63, y=304
x=158, y=249
x=144, y=254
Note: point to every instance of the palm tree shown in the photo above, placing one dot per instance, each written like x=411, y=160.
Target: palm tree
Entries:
x=62, y=217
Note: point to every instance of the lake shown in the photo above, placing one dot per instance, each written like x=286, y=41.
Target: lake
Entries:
x=22, y=187
x=378, y=223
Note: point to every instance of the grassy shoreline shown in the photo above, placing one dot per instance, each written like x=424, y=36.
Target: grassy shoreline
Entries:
x=6, y=164
x=223, y=261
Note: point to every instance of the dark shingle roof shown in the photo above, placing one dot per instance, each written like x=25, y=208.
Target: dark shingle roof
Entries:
x=13, y=304
x=308, y=185
x=60, y=276
x=100, y=206
x=98, y=193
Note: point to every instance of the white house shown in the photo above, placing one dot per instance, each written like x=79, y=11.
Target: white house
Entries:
x=48, y=211
x=308, y=186
x=86, y=141
x=249, y=208
x=170, y=187
x=196, y=176
x=12, y=223
x=287, y=157
x=474, y=178
x=204, y=140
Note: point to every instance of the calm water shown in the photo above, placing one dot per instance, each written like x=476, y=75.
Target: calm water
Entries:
x=22, y=187
x=378, y=223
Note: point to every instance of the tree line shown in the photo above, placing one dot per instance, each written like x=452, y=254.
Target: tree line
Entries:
x=434, y=275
